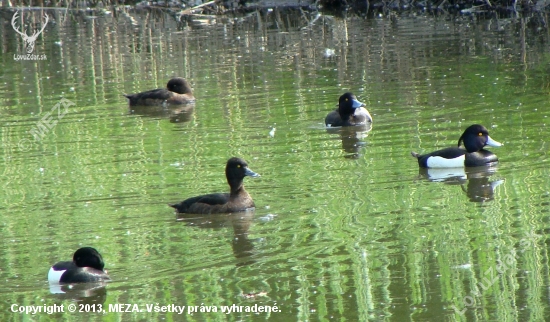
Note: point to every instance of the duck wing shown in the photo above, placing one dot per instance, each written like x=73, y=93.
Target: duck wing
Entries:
x=152, y=97
x=84, y=275
x=448, y=153
x=202, y=204
x=333, y=119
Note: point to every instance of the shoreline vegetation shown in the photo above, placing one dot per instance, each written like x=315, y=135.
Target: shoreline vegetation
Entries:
x=530, y=14
x=361, y=7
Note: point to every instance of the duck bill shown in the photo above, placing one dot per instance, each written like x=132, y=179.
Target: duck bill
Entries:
x=491, y=142
x=356, y=103
x=250, y=173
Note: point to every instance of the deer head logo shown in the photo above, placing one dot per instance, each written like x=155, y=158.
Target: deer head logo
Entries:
x=29, y=40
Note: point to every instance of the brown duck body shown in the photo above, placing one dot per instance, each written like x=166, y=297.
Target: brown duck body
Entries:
x=360, y=117
x=216, y=203
x=236, y=200
x=177, y=92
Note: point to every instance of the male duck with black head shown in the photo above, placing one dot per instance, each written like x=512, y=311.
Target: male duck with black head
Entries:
x=236, y=200
x=177, y=92
x=474, y=138
x=350, y=112
x=87, y=266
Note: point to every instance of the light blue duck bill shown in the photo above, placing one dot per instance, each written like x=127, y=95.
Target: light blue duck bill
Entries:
x=250, y=173
x=357, y=104
x=491, y=142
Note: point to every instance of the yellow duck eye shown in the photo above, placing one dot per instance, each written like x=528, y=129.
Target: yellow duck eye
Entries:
x=480, y=134
x=238, y=165
x=346, y=99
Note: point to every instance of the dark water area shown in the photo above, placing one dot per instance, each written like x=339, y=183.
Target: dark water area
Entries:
x=346, y=226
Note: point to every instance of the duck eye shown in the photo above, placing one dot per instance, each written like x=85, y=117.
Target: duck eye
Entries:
x=346, y=99
x=238, y=165
x=480, y=134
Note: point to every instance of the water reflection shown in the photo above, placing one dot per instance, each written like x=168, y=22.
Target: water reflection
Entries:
x=447, y=175
x=352, y=138
x=473, y=181
x=240, y=222
x=85, y=293
x=176, y=114
x=479, y=188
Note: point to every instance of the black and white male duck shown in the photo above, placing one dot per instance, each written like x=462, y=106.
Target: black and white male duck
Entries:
x=87, y=266
x=474, y=138
x=236, y=200
x=177, y=92
x=350, y=112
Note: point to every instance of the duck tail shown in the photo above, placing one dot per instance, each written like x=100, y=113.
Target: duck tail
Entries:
x=180, y=208
x=131, y=99
x=414, y=154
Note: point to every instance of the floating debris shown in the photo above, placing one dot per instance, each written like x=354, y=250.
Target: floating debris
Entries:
x=253, y=295
x=329, y=53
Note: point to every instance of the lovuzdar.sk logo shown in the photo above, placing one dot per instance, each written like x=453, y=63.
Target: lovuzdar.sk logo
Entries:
x=29, y=41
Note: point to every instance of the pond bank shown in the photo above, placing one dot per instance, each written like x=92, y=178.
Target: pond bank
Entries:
x=443, y=6
x=534, y=12
x=511, y=7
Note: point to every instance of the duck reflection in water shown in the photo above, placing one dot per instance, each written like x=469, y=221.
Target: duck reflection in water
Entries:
x=240, y=222
x=473, y=181
x=175, y=113
x=83, y=293
x=352, y=138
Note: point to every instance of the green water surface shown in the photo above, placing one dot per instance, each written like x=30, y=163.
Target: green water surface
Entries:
x=346, y=227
